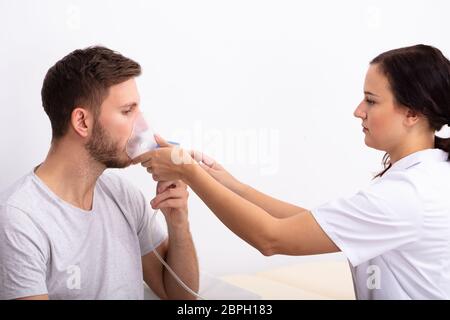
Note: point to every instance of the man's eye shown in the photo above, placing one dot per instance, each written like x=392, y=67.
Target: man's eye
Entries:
x=126, y=112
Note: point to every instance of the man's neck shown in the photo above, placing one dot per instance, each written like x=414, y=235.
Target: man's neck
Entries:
x=71, y=174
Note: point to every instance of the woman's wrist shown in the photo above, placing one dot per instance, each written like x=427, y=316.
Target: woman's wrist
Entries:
x=188, y=172
x=240, y=188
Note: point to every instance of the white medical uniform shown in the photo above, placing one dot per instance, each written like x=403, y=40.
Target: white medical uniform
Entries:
x=396, y=232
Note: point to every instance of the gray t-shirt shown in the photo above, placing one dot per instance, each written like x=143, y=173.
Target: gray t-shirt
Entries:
x=48, y=246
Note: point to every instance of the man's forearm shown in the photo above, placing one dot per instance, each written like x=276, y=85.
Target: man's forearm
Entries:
x=182, y=258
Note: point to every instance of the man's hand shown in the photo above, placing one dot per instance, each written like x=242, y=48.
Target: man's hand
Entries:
x=171, y=198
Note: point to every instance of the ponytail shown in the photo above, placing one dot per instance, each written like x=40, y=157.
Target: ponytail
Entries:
x=443, y=144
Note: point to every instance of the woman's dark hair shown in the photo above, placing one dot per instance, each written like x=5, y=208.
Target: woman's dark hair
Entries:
x=419, y=77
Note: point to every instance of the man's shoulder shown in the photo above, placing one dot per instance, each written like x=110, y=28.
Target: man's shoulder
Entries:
x=17, y=201
x=18, y=193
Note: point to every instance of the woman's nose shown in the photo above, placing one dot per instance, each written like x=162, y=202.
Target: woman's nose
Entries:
x=359, y=112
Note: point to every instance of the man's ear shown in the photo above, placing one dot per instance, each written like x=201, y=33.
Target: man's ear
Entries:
x=82, y=121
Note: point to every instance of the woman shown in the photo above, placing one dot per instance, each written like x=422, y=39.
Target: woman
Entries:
x=395, y=232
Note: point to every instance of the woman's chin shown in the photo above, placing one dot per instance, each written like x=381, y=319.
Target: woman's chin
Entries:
x=368, y=142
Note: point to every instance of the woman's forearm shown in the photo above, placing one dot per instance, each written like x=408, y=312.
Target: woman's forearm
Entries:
x=245, y=219
x=276, y=208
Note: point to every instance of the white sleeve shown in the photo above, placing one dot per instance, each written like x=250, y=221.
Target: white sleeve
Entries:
x=23, y=255
x=384, y=216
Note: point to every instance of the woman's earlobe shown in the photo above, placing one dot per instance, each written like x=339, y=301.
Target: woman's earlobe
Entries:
x=412, y=117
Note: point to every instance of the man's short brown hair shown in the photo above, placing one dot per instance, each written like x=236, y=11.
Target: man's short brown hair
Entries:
x=83, y=78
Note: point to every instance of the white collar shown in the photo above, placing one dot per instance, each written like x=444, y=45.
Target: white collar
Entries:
x=434, y=155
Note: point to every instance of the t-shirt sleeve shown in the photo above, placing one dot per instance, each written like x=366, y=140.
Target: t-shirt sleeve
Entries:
x=23, y=255
x=385, y=216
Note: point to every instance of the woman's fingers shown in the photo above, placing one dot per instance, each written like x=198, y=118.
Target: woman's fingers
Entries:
x=196, y=155
x=201, y=157
x=161, y=141
x=143, y=157
x=147, y=163
x=208, y=160
x=164, y=163
x=204, y=166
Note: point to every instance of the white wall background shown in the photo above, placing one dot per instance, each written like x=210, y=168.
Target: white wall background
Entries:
x=268, y=87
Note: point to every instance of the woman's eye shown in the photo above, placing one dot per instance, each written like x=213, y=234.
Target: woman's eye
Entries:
x=370, y=101
x=126, y=112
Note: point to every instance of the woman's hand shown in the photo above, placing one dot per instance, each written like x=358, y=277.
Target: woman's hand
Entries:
x=169, y=163
x=166, y=163
x=216, y=171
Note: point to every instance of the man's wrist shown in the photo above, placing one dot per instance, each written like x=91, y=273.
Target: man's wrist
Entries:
x=179, y=220
x=179, y=232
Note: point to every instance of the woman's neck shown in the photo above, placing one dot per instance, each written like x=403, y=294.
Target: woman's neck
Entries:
x=410, y=146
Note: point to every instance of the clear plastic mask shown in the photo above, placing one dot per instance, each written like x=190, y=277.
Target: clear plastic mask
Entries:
x=142, y=138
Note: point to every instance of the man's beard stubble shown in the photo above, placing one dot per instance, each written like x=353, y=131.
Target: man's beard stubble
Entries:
x=104, y=149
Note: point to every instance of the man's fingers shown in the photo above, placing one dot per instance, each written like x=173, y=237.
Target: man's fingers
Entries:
x=175, y=193
x=159, y=198
x=171, y=203
x=163, y=185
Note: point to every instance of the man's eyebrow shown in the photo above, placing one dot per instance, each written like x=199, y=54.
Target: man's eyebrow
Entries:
x=129, y=105
x=372, y=94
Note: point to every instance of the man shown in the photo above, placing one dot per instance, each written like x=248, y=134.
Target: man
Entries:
x=68, y=230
